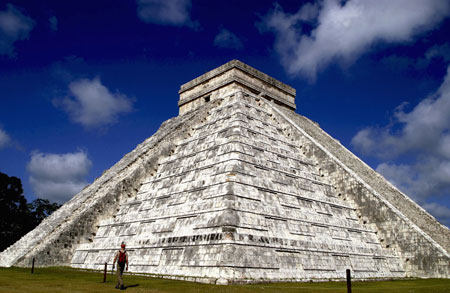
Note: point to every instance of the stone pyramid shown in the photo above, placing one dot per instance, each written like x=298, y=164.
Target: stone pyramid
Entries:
x=239, y=188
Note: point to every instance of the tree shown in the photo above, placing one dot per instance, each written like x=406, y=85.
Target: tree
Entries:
x=17, y=217
x=41, y=208
x=13, y=210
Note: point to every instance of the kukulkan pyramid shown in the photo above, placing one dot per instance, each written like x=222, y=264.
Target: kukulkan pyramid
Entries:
x=239, y=188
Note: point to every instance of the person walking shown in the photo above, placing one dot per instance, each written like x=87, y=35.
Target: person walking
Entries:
x=122, y=259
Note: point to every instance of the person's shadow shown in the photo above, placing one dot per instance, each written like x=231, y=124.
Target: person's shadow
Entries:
x=130, y=286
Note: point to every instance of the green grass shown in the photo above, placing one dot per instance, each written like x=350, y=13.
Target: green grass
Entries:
x=60, y=279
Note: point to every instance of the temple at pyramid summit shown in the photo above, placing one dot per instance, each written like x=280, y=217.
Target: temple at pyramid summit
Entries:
x=239, y=188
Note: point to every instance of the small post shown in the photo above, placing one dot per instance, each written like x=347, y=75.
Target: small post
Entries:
x=104, y=273
x=32, y=266
x=349, y=281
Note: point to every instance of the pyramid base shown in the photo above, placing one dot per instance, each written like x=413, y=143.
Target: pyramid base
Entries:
x=235, y=275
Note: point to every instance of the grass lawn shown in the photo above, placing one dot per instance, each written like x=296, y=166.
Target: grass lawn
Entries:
x=61, y=279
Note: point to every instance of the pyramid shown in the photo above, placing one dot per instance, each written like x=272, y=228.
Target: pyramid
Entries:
x=238, y=188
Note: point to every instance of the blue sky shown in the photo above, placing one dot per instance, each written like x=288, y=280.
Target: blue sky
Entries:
x=83, y=82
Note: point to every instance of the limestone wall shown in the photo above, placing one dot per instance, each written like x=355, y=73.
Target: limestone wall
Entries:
x=54, y=240
x=193, y=92
x=241, y=200
x=401, y=224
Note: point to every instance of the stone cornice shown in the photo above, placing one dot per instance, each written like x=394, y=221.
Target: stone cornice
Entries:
x=239, y=72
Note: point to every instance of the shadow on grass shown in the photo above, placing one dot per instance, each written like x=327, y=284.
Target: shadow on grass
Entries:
x=130, y=286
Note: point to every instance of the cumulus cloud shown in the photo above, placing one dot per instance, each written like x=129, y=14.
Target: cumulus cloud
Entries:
x=425, y=129
x=166, y=12
x=58, y=177
x=5, y=139
x=92, y=105
x=421, y=138
x=341, y=31
x=421, y=179
x=14, y=26
x=439, y=211
x=53, y=23
x=228, y=40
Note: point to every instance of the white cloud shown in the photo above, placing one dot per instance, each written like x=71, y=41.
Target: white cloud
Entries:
x=421, y=179
x=420, y=139
x=426, y=129
x=5, y=139
x=228, y=40
x=166, y=12
x=442, y=213
x=343, y=30
x=14, y=26
x=53, y=23
x=58, y=177
x=92, y=105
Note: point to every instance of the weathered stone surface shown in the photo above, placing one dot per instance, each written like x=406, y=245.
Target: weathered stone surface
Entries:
x=239, y=188
x=194, y=93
